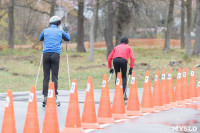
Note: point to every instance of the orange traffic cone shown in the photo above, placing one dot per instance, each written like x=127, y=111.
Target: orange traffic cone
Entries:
x=105, y=112
x=170, y=86
x=8, y=125
x=165, y=91
x=179, y=90
x=198, y=89
x=118, y=106
x=73, y=119
x=50, y=124
x=192, y=86
x=89, y=119
x=32, y=122
x=186, y=92
x=133, y=105
x=147, y=100
x=157, y=99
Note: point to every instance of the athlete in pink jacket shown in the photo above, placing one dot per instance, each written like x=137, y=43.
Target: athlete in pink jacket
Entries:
x=120, y=55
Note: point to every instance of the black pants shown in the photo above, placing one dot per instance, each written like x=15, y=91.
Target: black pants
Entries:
x=50, y=63
x=121, y=64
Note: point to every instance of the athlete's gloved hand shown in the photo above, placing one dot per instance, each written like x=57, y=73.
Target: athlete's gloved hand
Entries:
x=111, y=71
x=130, y=71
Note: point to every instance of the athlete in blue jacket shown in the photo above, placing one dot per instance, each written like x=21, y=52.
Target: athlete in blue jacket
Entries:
x=52, y=47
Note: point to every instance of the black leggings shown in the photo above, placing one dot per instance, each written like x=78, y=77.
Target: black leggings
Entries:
x=121, y=63
x=50, y=63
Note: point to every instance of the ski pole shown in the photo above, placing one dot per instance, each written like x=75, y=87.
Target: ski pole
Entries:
x=38, y=71
x=128, y=79
x=68, y=65
x=110, y=77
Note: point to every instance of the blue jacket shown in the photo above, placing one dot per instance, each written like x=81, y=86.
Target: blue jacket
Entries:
x=52, y=37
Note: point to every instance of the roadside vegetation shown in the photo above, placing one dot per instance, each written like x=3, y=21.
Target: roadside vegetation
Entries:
x=18, y=69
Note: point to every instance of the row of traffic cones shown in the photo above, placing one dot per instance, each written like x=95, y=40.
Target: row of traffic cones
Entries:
x=31, y=122
x=164, y=95
x=163, y=98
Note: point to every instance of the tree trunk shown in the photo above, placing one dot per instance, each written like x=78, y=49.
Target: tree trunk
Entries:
x=169, y=26
x=121, y=18
x=11, y=24
x=96, y=22
x=96, y=29
x=108, y=31
x=188, y=28
x=52, y=11
x=93, y=30
x=182, y=24
x=196, y=49
x=80, y=32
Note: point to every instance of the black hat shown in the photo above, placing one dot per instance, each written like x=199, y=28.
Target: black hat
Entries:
x=124, y=39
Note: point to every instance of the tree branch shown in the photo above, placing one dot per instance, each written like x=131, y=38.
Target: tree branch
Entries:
x=30, y=2
x=3, y=14
x=49, y=2
x=34, y=9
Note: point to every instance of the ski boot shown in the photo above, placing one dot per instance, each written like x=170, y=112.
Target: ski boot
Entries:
x=57, y=102
x=44, y=102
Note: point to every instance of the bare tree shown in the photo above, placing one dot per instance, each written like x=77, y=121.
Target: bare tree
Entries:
x=188, y=28
x=93, y=31
x=80, y=32
x=108, y=30
x=182, y=24
x=52, y=11
x=196, y=49
x=11, y=24
x=169, y=26
x=123, y=17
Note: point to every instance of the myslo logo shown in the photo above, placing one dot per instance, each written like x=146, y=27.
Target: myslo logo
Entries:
x=184, y=128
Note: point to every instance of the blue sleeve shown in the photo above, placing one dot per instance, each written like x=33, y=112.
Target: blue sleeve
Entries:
x=41, y=38
x=65, y=36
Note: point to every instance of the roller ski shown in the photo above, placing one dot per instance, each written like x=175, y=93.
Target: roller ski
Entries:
x=57, y=102
x=44, y=102
x=125, y=98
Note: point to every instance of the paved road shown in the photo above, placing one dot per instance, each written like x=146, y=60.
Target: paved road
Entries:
x=161, y=122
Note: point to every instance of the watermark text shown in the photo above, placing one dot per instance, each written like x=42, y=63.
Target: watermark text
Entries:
x=184, y=128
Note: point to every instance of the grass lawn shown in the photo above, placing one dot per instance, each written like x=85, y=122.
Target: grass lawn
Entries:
x=19, y=67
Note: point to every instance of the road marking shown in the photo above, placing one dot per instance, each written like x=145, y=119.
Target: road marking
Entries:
x=104, y=125
x=120, y=120
x=116, y=121
x=101, y=126
x=89, y=130
x=146, y=113
x=133, y=117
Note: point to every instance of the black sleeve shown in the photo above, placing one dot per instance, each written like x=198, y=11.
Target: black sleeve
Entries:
x=42, y=38
x=64, y=38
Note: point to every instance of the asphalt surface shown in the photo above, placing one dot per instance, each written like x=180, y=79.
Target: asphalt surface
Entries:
x=171, y=121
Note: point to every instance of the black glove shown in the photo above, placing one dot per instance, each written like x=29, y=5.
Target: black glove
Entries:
x=65, y=29
x=111, y=71
x=130, y=71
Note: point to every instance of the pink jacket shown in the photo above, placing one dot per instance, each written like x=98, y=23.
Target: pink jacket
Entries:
x=123, y=51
